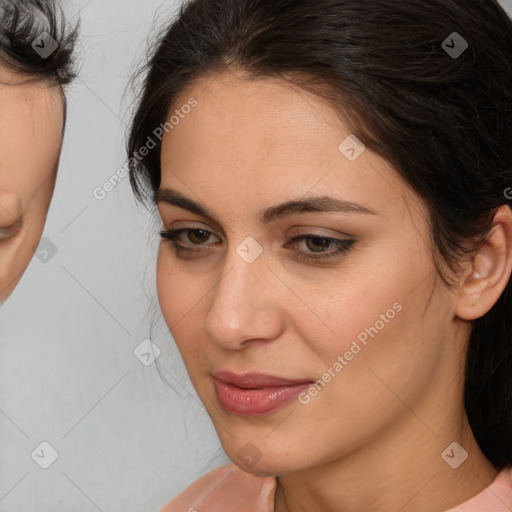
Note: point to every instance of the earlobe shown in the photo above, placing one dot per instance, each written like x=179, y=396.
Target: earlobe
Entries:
x=490, y=270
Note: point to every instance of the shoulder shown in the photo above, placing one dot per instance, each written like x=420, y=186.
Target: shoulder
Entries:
x=227, y=486
x=497, y=497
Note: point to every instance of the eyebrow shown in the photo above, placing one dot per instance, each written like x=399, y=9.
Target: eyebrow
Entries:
x=312, y=204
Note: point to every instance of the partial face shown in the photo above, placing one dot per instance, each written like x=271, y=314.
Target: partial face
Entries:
x=348, y=298
x=31, y=125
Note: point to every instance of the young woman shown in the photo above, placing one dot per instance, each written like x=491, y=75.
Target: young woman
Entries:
x=35, y=65
x=334, y=180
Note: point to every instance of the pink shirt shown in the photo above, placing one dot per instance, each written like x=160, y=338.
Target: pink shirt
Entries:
x=229, y=489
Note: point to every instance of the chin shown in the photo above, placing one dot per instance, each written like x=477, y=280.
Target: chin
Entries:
x=265, y=462
x=267, y=469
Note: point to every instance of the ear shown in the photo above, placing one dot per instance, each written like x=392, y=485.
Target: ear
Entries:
x=490, y=269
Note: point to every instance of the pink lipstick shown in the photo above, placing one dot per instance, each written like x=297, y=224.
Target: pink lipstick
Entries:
x=254, y=394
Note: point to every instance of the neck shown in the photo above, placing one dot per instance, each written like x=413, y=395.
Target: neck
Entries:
x=401, y=471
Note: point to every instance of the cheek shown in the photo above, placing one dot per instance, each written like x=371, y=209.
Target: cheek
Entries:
x=35, y=178
x=180, y=302
x=387, y=345
x=171, y=288
x=374, y=330
x=347, y=315
x=39, y=205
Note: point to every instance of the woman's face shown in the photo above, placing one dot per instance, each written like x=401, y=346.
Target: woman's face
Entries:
x=31, y=128
x=373, y=323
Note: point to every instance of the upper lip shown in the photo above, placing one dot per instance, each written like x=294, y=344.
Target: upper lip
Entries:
x=256, y=380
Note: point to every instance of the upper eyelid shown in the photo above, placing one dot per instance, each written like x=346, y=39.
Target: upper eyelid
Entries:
x=185, y=229
x=191, y=227
x=7, y=232
x=341, y=245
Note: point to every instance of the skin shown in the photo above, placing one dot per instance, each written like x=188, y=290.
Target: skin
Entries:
x=31, y=130
x=372, y=438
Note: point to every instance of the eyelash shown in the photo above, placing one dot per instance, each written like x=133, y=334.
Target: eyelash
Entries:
x=343, y=246
x=8, y=233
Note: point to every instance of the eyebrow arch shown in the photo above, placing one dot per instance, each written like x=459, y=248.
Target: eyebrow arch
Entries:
x=312, y=204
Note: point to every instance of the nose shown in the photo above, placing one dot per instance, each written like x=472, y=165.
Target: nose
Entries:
x=247, y=304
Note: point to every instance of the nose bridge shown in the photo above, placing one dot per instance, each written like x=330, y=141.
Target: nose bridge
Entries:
x=242, y=297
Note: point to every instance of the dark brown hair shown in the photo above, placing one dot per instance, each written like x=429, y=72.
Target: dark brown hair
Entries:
x=22, y=23
x=444, y=120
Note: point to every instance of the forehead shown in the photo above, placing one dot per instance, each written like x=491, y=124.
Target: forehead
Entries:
x=40, y=97
x=31, y=125
x=259, y=106
x=267, y=140
x=251, y=124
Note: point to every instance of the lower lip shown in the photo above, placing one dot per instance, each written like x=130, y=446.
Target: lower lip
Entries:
x=253, y=402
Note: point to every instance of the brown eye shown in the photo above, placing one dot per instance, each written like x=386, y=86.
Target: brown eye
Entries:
x=198, y=239
x=317, y=244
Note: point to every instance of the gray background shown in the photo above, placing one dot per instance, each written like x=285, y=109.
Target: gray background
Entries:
x=126, y=440
x=128, y=436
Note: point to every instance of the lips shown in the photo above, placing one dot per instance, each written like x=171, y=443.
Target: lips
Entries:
x=255, y=393
x=256, y=380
